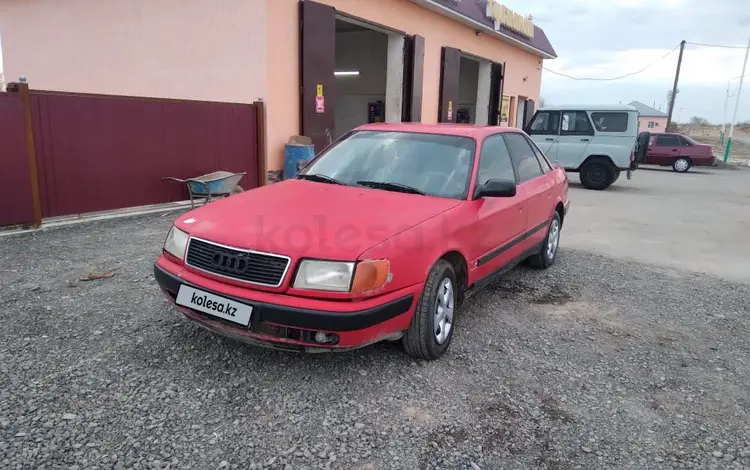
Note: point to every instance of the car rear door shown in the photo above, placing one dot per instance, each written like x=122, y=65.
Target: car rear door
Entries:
x=543, y=129
x=501, y=221
x=665, y=151
x=576, y=133
x=534, y=182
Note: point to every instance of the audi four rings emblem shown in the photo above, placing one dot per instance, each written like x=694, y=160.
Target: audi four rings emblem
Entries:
x=236, y=264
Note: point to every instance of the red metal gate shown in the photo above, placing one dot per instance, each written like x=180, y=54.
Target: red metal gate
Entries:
x=16, y=206
x=100, y=152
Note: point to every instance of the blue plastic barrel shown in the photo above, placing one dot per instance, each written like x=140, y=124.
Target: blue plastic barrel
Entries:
x=295, y=157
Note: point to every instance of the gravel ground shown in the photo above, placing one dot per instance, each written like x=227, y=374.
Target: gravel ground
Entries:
x=596, y=363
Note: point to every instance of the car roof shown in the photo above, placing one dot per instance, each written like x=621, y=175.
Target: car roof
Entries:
x=589, y=107
x=463, y=130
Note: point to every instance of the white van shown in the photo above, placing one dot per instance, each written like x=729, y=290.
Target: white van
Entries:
x=597, y=141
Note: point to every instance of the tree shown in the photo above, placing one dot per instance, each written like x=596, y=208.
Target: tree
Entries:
x=699, y=121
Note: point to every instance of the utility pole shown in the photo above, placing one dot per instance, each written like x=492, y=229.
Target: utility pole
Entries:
x=674, y=87
x=724, y=119
x=737, y=103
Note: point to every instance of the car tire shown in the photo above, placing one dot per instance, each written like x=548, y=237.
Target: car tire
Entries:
x=548, y=254
x=682, y=165
x=617, y=176
x=597, y=174
x=431, y=329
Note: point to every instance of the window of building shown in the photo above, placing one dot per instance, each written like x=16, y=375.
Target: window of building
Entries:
x=610, y=122
x=524, y=159
x=651, y=124
x=494, y=161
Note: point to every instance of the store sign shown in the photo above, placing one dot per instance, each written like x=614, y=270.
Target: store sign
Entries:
x=503, y=16
x=505, y=109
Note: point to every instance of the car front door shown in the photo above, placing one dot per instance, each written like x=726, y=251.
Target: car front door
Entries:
x=665, y=151
x=500, y=220
x=543, y=129
x=576, y=133
x=535, y=183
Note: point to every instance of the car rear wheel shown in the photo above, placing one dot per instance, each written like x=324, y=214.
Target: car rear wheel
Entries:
x=546, y=257
x=597, y=174
x=431, y=329
x=617, y=175
x=681, y=165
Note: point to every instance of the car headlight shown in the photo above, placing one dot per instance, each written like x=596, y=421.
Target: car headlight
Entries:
x=333, y=276
x=176, y=243
x=341, y=276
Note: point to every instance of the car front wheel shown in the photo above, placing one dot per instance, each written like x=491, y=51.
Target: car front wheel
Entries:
x=431, y=328
x=681, y=165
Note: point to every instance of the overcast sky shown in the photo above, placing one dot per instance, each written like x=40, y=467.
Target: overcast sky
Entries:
x=597, y=38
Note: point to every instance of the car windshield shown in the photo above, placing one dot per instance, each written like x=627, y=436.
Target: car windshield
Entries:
x=431, y=164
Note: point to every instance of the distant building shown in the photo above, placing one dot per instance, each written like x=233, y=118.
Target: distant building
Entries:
x=650, y=119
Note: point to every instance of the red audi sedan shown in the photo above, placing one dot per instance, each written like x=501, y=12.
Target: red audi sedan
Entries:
x=380, y=237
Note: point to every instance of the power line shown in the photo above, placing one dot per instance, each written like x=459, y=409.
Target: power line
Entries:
x=715, y=45
x=615, y=78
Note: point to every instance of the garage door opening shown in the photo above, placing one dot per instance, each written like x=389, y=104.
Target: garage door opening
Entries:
x=369, y=67
x=470, y=89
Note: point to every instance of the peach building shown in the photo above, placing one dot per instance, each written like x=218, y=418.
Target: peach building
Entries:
x=321, y=67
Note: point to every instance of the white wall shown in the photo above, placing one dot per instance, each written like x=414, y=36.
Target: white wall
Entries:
x=191, y=49
x=367, y=52
x=468, y=79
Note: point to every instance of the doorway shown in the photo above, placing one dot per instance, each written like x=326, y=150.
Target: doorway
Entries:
x=470, y=89
x=361, y=73
x=353, y=72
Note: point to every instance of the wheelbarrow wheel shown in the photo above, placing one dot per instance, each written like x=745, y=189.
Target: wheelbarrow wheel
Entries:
x=236, y=190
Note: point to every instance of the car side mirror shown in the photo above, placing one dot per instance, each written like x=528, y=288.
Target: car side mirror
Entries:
x=497, y=188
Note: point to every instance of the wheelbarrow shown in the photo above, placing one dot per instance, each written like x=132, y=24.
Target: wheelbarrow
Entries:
x=213, y=185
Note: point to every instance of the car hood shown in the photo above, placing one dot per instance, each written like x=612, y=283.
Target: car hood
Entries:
x=309, y=219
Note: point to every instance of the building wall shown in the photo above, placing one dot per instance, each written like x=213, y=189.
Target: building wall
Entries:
x=660, y=124
x=438, y=31
x=190, y=49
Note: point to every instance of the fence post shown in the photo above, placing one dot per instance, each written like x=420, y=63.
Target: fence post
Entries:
x=23, y=90
x=260, y=132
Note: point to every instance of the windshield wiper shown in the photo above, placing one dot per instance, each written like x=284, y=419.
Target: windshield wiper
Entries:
x=320, y=178
x=398, y=187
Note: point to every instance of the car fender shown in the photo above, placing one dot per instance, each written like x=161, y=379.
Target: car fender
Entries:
x=412, y=253
x=618, y=154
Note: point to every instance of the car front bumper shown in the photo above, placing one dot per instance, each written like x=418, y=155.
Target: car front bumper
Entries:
x=291, y=322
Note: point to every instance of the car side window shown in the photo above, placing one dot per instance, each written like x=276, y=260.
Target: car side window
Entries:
x=543, y=162
x=494, y=161
x=685, y=143
x=576, y=123
x=667, y=141
x=545, y=123
x=610, y=121
x=523, y=157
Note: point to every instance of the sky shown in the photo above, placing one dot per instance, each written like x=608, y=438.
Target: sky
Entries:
x=610, y=38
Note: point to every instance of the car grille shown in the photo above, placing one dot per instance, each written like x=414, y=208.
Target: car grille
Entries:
x=248, y=266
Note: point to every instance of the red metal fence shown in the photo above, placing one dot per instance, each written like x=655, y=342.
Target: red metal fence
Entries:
x=16, y=197
x=101, y=152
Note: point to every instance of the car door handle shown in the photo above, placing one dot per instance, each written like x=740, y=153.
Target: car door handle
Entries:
x=549, y=139
x=674, y=150
x=585, y=140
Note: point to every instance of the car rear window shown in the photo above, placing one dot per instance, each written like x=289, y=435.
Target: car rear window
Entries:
x=610, y=121
x=436, y=164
